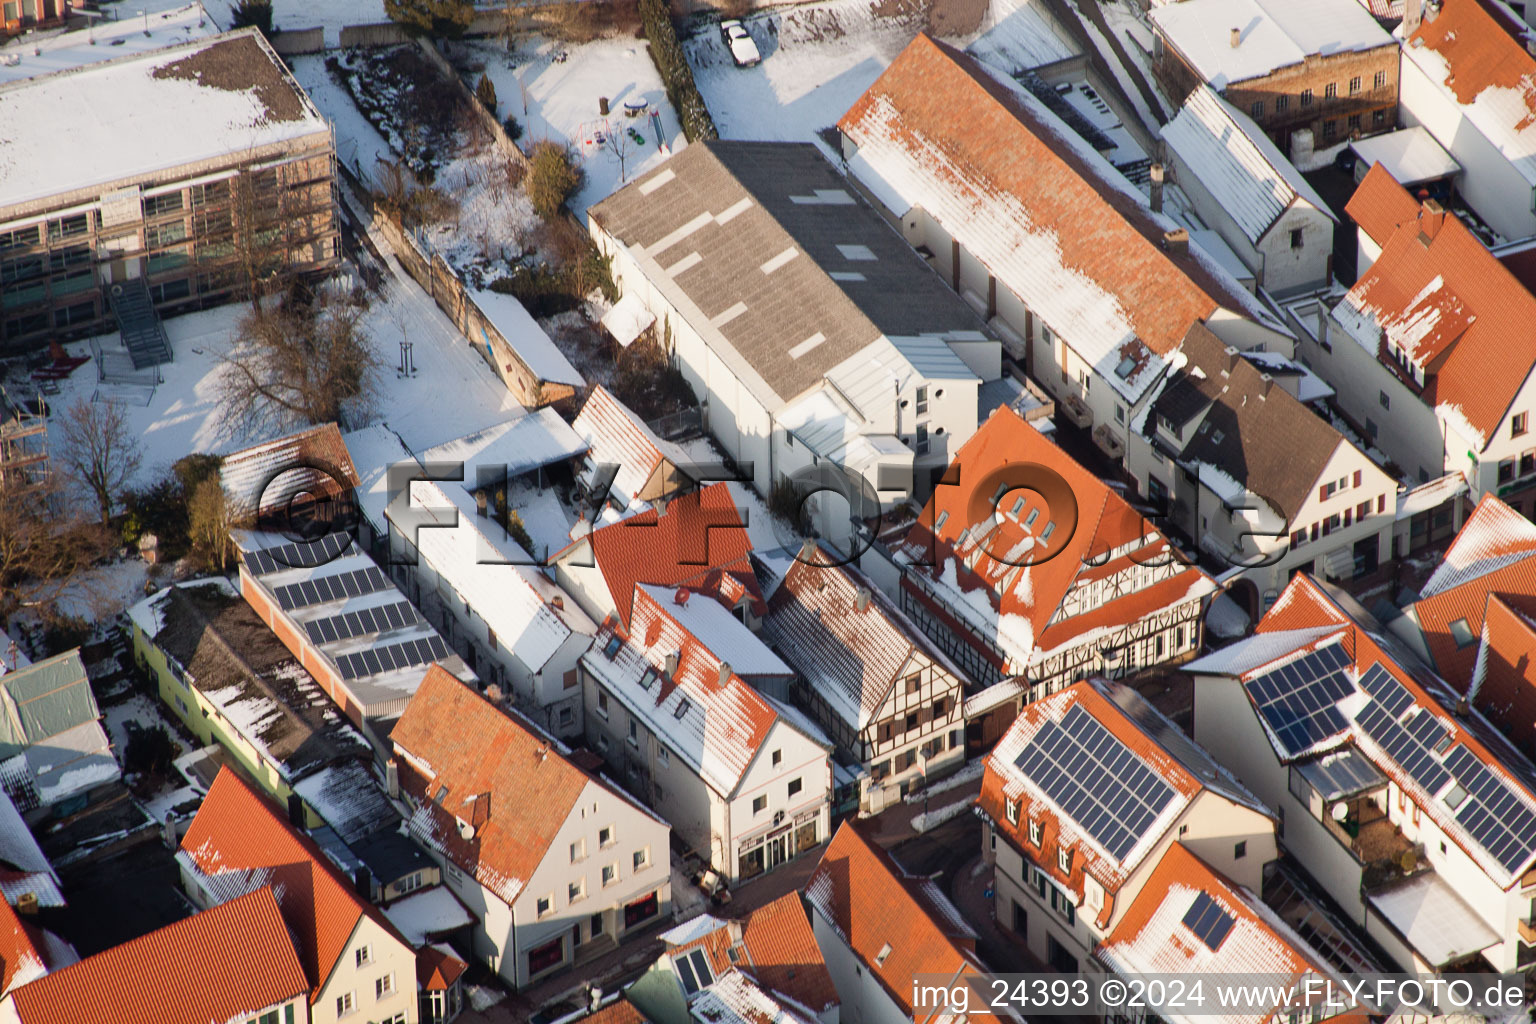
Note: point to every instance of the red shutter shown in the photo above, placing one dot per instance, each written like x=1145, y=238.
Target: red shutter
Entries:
x=1322, y=493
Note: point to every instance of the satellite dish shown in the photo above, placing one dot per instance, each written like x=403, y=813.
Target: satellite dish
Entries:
x=1340, y=811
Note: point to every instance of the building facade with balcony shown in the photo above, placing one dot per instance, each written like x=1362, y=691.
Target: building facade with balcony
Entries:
x=1414, y=814
x=195, y=208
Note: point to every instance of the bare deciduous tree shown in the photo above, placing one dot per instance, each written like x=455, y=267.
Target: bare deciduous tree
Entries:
x=262, y=249
x=618, y=144
x=306, y=361
x=46, y=546
x=99, y=449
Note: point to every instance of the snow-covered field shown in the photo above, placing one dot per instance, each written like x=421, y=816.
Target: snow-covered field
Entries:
x=552, y=89
x=453, y=394
x=358, y=144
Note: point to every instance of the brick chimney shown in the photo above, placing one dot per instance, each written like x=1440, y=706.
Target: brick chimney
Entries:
x=725, y=673
x=1176, y=241
x=1237, y=37
x=861, y=599
x=1413, y=14
x=1155, y=173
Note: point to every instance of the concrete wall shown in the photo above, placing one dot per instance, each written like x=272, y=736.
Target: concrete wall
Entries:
x=292, y=42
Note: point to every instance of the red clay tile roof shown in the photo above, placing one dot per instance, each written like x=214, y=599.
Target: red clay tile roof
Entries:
x=1152, y=938
x=1504, y=688
x=1493, y=554
x=467, y=759
x=784, y=954
x=974, y=545
x=948, y=122
x=1380, y=204
x=1002, y=783
x=873, y=902
x=1482, y=320
x=21, y=959
x=239, y=832
x=1479, y=55
x=313, y=461
x=224, y=964
x=698, y=542
x=437, y=968
x=620, y=1011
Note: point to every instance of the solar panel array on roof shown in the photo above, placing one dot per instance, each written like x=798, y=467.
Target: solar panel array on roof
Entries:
x=1411, y=747
x=1299, y=699
x=369, y=620
x=1095, y=779
x=1390, y=693
x=392, y=656
x=1208, y=921
x=297, y=556
x=331, y=588
x=1498, y=819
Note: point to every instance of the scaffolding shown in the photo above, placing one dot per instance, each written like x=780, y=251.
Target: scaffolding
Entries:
x=23, y=441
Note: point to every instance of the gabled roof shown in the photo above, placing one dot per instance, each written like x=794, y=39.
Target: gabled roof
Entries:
x=1256, y=432
x=618, y=437
x=1233, y=158
x=52, y=743
x=778, y=949
x=21, y=951
x=698, y=541
x=1467, y=55
x=264, y=478
x=751, y=233
x=850, y=656
x=239, y=842
x=860, y=890
x=243, y=669
x=466, y=760
x=1493, y=556
x=1379, y=204
x=1010, y=579
x=438, y=967
x=705, y=713
x=1503, y=685
x=1179, y=772
x=1038, y=208
x=1274, y=34
x=1389, y=692
x=224, y=964
x=1156, y=935
x=1438, y=295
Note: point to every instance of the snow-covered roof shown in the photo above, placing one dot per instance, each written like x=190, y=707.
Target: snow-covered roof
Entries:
x=735, y=999
x=1155, y=935
x=712, y=720
x=26, y=867
x=1467, y=56
x=619, y=438
x=1274, y=34
x=49, y=50
x=1233, y=158
x=422, y=915
x=347, y=795
x=713, y=625
x=1018, y=34
x=1410, y=155
x=628, y=319
x=373, y=450
x=517, y=446
x=1040, y=209
x=1439, y=924
x=231, y=95
x=534, y=347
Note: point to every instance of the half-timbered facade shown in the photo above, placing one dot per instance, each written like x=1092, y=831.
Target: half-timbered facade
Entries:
x=886, y=695
x=1031, y=568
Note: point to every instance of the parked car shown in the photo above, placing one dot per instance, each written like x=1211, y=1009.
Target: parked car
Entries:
x=739, y=41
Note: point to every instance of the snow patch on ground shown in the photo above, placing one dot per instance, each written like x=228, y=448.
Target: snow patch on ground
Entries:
x=553, y=88
x=970, y=773
x=934, y=818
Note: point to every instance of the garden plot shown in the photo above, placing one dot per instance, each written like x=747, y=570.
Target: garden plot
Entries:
x=553, y=89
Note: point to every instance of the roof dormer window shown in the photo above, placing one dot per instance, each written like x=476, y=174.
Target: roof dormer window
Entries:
x=1064, y=860
x=1011, y=808
x=1036, y=829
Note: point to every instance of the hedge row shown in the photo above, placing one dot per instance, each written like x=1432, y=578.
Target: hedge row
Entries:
x=676, y=75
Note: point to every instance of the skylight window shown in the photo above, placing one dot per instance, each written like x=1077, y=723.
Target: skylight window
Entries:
x=856, y=252
x=1050, y=528
x=943, y=518
x=1123, y=371
x=885, y=952
x=647, y=678
x=682, y=709
x=1029, y=520
x=1455, y=797
x=611, y=648
x=1018, y=506
x=1461, y=633
x=1218, y=437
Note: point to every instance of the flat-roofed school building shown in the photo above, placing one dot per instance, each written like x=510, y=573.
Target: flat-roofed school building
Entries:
x=190, y=170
